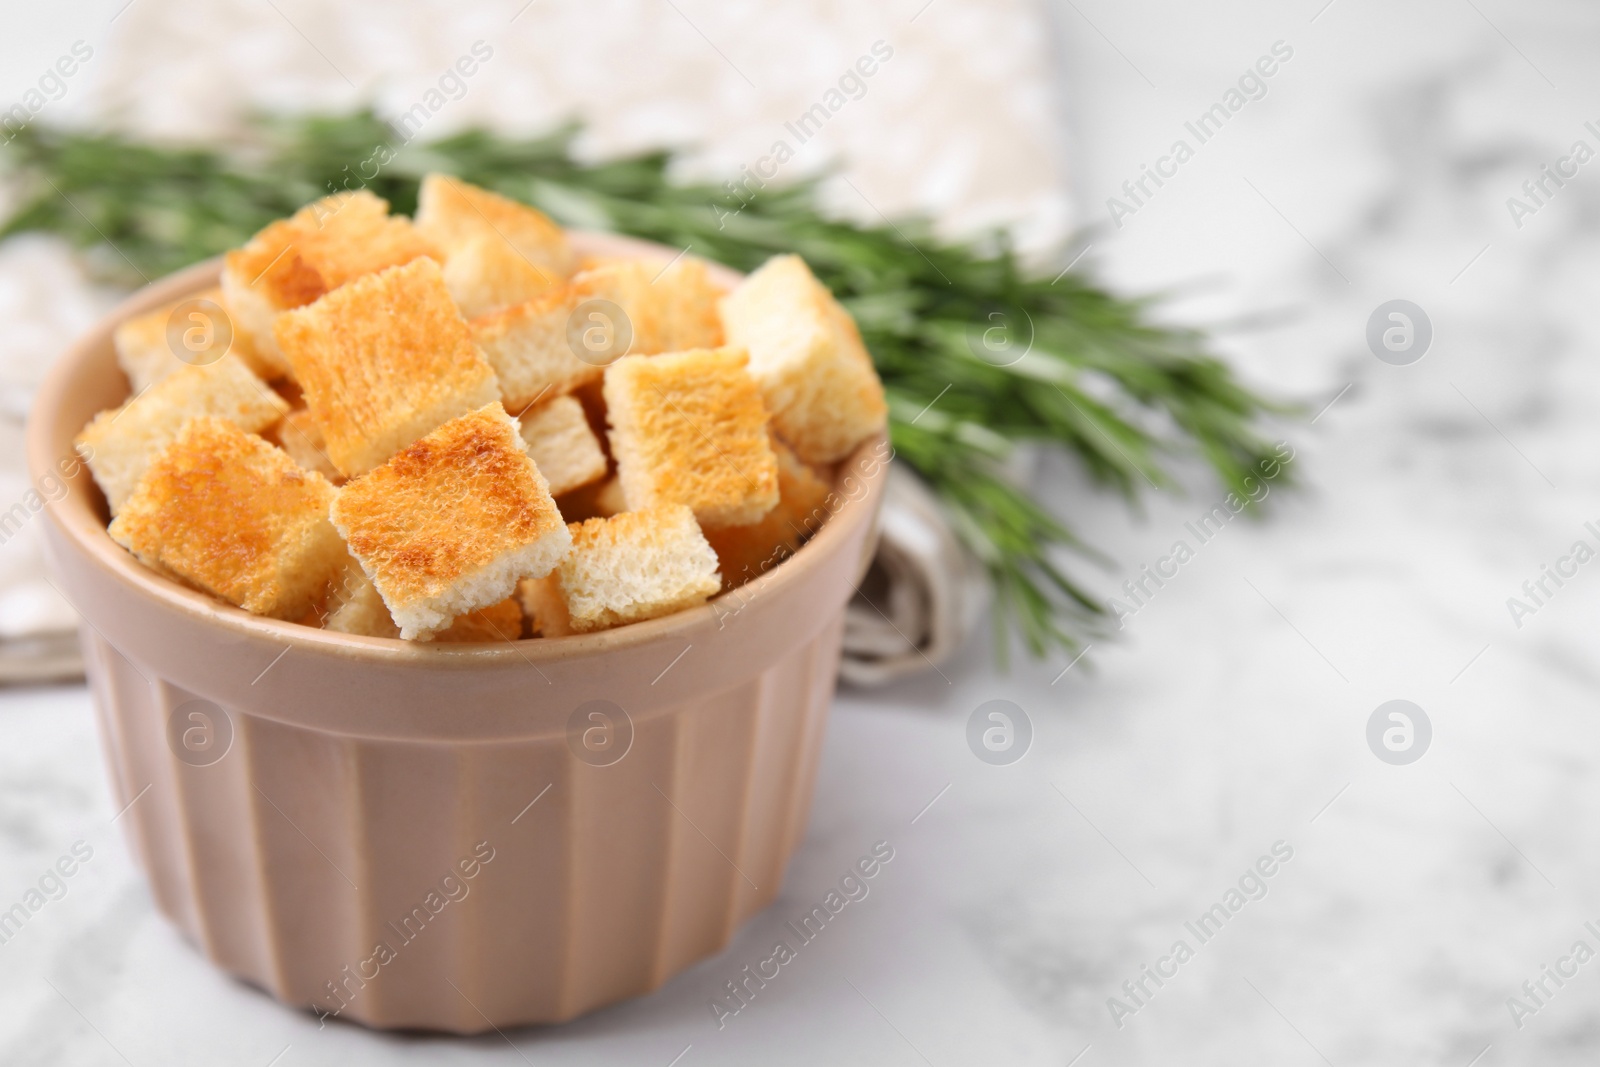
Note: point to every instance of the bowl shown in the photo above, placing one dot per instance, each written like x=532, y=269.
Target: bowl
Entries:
x=455, y=837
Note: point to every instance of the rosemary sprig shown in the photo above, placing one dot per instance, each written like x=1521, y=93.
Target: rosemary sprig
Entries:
x=977, y=352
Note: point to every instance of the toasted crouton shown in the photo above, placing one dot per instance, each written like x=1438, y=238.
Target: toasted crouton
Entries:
x=299, y=436
x=153, y=345
x=544, y=607
x=805, y=350
x=497, y=252
x=745, y=553
x=383, y=361
x=562, y=445
x=630, y=567
x=562, y=339
x=487, y=275
x=450, y=522
x=690, y=428
x=686, y=314
x=225, y=511
x=121, y=443
x=497, y=622
x=355, y=606
x=294, y=261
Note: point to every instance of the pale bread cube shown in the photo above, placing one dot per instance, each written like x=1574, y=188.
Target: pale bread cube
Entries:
x=299, y=436
x=294, y=261
x=497, y=252
x=383, y=361
x=745, y=553
x=562, y=445
x=634, y=566
x=121, y=443
x=231, y=515
x=355, y=606
x=562, y=339
x=805, y=350
x=488, y=275
x=149, y=345
x=686, y=309
x=453, y=213
x=690, y=428
x=451, y=522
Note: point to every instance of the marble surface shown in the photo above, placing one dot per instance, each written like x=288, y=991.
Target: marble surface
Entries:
x=1232, y=712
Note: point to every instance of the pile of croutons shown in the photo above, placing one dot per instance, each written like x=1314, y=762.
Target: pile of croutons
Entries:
x=454, y=429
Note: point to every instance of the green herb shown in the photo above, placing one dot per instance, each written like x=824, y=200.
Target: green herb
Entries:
x=977, y=352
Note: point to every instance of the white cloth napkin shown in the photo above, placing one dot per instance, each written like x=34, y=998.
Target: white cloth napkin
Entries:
x=921, y=596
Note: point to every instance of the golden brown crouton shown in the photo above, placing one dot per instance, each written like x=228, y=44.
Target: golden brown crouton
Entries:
x=354, y=606
x=119, y=444
x=805, y=350
x=383, y=361
x=690, y=428
x=153, y=345
x=450, y=523
x=294, y=261
x=497, y=622
x=497, y=252
x=630, y=567
x=299, y=436
x=745, y=553
x=231, y=515
x=686, y=313
x=558, y=341
x=562, y=445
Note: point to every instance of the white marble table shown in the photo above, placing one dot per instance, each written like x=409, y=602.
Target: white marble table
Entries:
x=1232, y=713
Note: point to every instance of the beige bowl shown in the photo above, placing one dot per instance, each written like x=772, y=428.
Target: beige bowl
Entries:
x=448, y=837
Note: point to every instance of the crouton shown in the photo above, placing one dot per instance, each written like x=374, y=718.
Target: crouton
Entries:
x=630, y=567
x=805, y=351
x=453, y=213
x=121, y=443
x=685, y=307
x=745, y=553
x=384, y=360
x=355, y=606
x=562, y=445
x=690, y=428
x=226, y=512
x=497, y=622
x=488, y=275
x=153, y=345
x=450, y=522
x=543, y=607
x=298, y=435
x=294, y=261
x=497, y=252
x=562, y=339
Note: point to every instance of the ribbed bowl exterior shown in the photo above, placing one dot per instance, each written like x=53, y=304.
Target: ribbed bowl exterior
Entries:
x=418, y=836
x=294, y=856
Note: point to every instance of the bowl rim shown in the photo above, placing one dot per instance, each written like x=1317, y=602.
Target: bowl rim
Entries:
x=76, y=516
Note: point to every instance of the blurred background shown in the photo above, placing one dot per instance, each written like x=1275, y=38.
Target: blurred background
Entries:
x=1389, y=156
